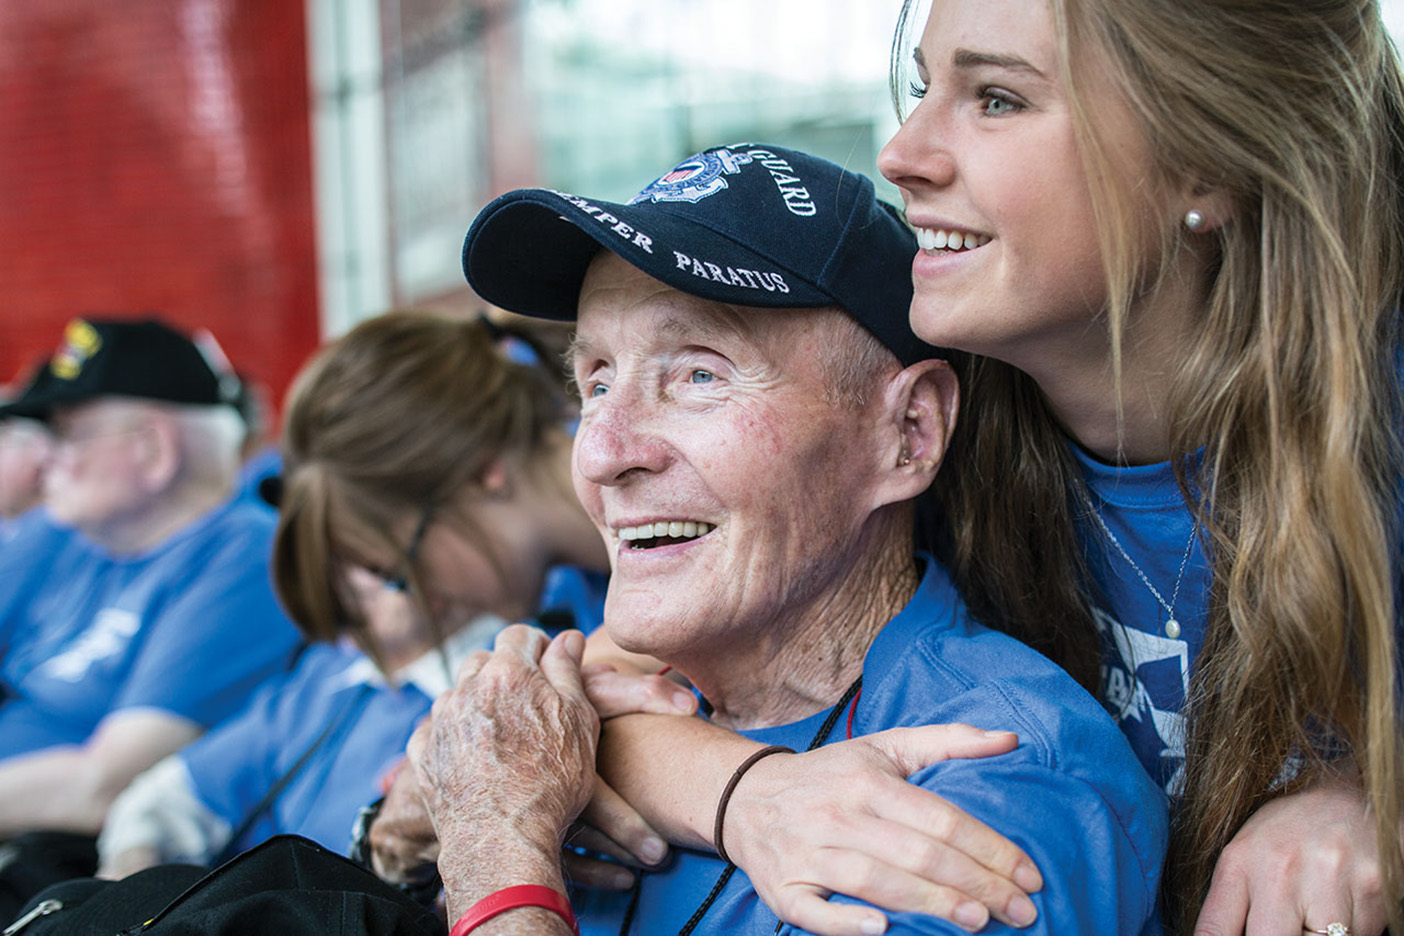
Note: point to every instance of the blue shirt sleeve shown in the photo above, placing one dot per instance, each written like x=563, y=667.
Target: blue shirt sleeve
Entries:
x=233, y=766
x=29, y=550
x=1061, y=822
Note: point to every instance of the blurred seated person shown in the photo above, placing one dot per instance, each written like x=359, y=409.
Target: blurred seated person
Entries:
x=311, y=749
x=427, y=496
x=24, y=450
x=757, y=424
x=137, y=609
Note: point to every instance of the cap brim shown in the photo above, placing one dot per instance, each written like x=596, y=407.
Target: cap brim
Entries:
x=40, y=398
x=528, y=251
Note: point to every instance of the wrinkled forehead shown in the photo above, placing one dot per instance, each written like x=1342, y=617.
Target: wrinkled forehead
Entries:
x=109, y=412
x=623, y=310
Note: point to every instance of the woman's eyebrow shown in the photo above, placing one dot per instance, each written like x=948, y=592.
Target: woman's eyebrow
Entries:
x=968, y=58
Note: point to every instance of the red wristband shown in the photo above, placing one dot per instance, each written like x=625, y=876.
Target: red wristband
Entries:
x=510, y=898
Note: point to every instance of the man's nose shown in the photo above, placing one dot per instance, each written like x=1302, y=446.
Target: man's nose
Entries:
x=621, y=436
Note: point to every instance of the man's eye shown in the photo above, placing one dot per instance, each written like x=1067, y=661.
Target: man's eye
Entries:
x=597, y=390
x=701, y=376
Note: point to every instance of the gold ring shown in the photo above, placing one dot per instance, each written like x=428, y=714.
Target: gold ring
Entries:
x=1332, y=929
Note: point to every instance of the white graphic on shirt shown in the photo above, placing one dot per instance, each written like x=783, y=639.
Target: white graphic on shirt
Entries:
x=1145, y=678
x=108, y=636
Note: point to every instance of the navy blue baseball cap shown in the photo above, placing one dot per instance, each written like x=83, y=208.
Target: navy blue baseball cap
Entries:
x=112, y=357
x=748, y=224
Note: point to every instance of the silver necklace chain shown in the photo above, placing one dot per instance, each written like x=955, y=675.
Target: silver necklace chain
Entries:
x=1172, y=625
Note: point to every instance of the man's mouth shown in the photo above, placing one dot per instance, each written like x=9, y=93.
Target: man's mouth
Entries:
x=662, y=533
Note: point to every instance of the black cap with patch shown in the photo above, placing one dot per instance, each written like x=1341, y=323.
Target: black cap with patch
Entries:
x=146, y=359
x=748, y=224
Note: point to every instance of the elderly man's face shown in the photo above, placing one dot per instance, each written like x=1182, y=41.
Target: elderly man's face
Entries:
x=94, y=476
x=728, y=486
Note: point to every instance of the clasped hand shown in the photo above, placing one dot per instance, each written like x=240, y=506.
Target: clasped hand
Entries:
x=514, y=742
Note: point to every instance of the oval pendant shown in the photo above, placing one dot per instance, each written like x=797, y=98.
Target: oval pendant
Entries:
x=1172, y=629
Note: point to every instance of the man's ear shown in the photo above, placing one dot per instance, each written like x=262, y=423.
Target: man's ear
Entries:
x=922, y=403
x=161, y=452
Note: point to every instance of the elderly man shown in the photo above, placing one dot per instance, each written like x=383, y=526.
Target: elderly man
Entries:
x=138, y=609
x=757, y=424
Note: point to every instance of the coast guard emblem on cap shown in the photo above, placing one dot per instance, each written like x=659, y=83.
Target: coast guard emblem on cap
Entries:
x=80, y=342
x=694, y=178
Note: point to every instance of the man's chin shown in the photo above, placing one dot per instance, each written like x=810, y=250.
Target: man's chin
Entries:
x=644, y=627
x=64, y=518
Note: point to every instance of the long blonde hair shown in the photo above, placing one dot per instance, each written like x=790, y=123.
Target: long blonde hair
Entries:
x=394, y=418
x=1294, y=109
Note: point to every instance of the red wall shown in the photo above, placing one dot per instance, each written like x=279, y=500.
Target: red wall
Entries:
x=156, y=155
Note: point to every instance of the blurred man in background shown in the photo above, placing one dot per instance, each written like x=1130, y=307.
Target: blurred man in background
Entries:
x=120, y=644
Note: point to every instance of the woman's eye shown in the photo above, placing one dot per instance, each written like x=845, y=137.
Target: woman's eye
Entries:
x=596, y=390
x=997, y=105
x=916, y=90
x=700, y=376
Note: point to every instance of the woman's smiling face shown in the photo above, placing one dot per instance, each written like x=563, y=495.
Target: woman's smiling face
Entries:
x=989, y=167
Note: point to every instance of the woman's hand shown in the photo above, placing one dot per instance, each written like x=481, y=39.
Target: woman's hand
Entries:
x=1301, y=862
x=609, y=825
x=844, y=819
x=402, y=839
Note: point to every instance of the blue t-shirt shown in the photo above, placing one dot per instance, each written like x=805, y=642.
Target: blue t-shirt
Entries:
x=190, y=627
x=573, y=594
x=337, y=688
x=1145, y=667
x=32, y=541
x=1070, y=794
x=13, y=527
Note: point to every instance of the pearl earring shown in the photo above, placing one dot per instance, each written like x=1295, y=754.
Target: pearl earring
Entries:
x=1194, y=219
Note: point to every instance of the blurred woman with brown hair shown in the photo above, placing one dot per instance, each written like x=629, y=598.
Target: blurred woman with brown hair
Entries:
x=425, y=500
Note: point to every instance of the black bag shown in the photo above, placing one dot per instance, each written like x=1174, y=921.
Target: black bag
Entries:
x=287, y=884
x=32, y=861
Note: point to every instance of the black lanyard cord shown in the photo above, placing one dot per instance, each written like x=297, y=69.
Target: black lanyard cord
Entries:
x=820, y=737
x=343, y=720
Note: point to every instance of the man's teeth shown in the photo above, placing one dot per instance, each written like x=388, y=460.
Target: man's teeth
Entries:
x=929, y=239
x=678, y=529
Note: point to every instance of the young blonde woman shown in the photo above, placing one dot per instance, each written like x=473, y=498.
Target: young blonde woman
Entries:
x=1187, y=270
x=1168, y=239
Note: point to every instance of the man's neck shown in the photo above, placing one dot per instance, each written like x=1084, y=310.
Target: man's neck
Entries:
x=159, y=520
x=803, y=664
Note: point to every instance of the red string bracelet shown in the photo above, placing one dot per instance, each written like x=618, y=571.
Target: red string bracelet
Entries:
x=510, y=898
